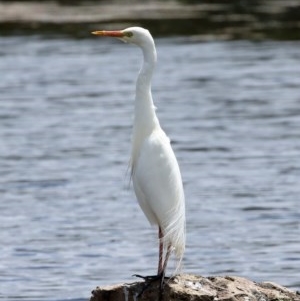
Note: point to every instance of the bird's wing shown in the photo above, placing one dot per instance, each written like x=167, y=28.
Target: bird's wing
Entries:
x=158, y=187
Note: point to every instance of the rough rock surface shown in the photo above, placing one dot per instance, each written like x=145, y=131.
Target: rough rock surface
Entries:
x=197, y=288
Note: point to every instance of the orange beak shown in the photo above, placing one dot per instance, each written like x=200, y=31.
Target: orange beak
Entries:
x=109, y=33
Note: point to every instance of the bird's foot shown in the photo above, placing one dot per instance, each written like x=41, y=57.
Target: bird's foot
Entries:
x=151, y=279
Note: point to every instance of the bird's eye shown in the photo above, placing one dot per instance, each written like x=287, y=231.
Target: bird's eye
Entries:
x=128, y=34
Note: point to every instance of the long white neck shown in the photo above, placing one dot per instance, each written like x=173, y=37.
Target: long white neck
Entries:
x=144, y=115
x=145, y=120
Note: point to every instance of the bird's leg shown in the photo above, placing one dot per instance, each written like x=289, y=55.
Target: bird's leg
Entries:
x=163, y=272
x=161, y=250
x=166, y=259
x=162, y=264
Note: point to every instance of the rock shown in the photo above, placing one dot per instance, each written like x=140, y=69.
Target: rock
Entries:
x=197, y=288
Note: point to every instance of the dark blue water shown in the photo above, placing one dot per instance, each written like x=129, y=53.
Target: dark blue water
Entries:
x=69, y=219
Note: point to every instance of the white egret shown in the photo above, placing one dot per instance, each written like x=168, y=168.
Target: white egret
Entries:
x=155, y=172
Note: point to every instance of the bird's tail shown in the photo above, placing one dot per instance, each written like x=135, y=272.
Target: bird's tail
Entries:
x=174, y=234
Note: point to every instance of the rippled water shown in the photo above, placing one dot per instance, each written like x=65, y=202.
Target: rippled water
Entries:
x=69, y=219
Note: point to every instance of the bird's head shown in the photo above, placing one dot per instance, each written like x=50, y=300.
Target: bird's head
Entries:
x=133, y=35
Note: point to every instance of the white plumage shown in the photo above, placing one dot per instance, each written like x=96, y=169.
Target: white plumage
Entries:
x=155, y=172
x=158, y=187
